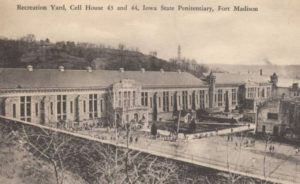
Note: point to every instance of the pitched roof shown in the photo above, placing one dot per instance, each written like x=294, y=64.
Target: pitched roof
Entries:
x=11, y=78
x=236, y=78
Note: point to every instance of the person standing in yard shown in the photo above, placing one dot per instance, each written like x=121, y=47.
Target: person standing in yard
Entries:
x=192, y=126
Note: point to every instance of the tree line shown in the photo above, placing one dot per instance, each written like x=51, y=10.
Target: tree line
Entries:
x=46, y=54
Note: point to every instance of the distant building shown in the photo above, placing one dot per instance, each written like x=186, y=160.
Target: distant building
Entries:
x=281, y=114
x=289, y=115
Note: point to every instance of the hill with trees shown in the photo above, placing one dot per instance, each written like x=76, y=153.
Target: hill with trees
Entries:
x=27, y=50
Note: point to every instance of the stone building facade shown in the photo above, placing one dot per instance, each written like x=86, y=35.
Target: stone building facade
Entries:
x=75, y=97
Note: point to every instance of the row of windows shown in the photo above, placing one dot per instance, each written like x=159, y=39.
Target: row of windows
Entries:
x=127, y=98
x=25, y=107
x=254, y=92
x=220, y=97
x=168, y=100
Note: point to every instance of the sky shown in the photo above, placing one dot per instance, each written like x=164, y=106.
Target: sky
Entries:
x=272, y=34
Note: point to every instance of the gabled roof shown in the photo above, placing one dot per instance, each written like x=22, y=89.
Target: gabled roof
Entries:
x=12, y=78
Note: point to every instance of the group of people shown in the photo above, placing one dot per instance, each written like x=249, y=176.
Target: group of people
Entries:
x=271, y=148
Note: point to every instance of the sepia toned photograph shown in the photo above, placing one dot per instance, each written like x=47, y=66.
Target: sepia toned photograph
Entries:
x=149, y=92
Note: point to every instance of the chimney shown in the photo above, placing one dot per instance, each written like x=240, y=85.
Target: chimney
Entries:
x=261, y=72
x=179, y=71
x=162, y=70
x=143, y=70
x=29, y=68
x=89, y=69
x=121, y=70
x=61, y=68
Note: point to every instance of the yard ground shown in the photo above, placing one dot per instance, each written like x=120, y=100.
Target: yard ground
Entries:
x=223, y=151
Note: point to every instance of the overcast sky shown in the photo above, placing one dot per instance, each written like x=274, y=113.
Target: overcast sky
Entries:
x=232, y=38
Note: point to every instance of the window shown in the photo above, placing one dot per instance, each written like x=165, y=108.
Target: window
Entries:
x=101, y=105
x=251, y=92
x=125, y=99
x=202, y=105
x=93, y=106
x=133, y=98
x=185, y=99
x=234, y=97
x=120, y=99
x=263, y=93
x=144, y=99
x=165, y=101
x=159, y=102
x=220, y=95
x=14, y=110
x=36, y=109
x=84, y=106
x=171, y=101
x=61, y=107
x=71, y=107
x=273, y=116
x=128, y=98
x=25, y=107
x=51, y=108
x=151, y=101
x=190, y=99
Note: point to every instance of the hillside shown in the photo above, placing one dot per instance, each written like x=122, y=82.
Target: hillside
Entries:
x=45, y=54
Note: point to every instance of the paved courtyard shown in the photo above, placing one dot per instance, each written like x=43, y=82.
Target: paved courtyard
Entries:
x=282, y=163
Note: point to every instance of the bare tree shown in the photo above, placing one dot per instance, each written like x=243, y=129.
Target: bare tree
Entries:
x=47, y=145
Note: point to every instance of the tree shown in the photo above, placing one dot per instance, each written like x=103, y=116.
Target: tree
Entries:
x=153, y=129
x=28, y=38
x=48, y=145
